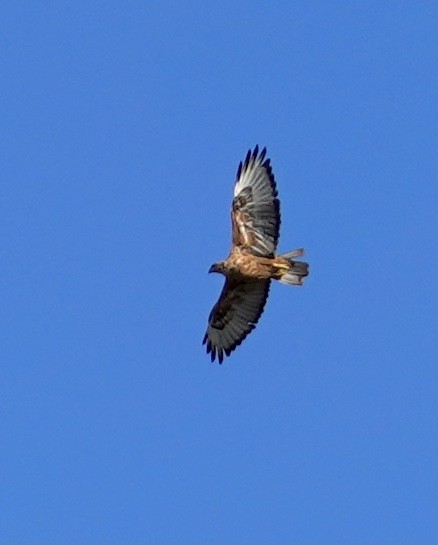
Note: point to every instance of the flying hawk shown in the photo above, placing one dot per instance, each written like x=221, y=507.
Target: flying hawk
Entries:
x=252, y=263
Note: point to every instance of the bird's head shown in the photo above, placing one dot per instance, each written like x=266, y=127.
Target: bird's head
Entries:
x=217, y=267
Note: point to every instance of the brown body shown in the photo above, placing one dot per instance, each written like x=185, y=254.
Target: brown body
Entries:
x=241, y=263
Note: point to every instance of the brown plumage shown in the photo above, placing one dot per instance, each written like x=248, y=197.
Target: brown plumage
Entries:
x=252, y=263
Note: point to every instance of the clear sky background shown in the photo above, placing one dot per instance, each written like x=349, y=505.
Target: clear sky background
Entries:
x=122, y=127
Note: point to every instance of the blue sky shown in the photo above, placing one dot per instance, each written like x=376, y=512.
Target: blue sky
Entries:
x=123, y=124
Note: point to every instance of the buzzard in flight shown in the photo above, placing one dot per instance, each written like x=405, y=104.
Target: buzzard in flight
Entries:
x=252, y=263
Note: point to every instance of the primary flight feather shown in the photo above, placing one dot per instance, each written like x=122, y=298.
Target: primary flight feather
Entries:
x=252, y=263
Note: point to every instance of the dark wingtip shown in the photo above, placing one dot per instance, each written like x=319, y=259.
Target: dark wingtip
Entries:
x=247, y=158
x=252, y=155
x=215, y=352
x=239, y=170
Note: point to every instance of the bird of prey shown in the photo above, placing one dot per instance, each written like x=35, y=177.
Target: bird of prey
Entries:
x=252, y=263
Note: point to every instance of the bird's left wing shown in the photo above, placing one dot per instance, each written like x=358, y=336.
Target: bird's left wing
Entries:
x=255, y=213
x=236, y=313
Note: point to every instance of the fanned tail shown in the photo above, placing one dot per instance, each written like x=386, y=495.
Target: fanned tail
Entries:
x=297, y=270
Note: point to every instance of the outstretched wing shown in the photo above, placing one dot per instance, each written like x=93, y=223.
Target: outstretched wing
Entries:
x=255, y=214
x=236, y=313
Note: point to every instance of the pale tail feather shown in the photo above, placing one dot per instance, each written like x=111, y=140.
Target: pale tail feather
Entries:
x=294, y=253
x=298, y=271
